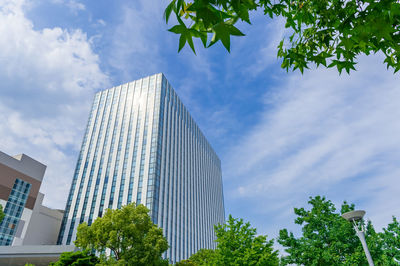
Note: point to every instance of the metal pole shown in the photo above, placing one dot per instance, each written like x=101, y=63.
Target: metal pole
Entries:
x=361, y=236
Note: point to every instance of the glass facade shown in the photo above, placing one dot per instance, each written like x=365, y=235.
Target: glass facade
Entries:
x=13, y=211
x=141, y=145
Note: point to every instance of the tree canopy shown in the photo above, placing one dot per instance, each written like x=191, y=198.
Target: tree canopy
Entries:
x=203, y=257
x=2, y=214
x=391, y=240
x=237, y=244
x=130, y=235
x=332, y=33
x=328, y=239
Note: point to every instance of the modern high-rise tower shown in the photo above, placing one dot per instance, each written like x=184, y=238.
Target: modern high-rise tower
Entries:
x=142, y=145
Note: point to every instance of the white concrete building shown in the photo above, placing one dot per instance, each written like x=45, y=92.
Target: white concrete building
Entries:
x=38, y=255
x=26, y=221
x=142, y=145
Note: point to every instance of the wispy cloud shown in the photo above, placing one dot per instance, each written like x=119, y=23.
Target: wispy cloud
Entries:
x=135, y=47
x=266, y=55
x=48, y=80
x=73, y=5
x=322, y=133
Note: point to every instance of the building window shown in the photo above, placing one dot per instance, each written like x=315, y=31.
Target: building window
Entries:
x=13, y=211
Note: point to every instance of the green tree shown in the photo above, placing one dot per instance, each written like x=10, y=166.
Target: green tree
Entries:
x=130, y=235
x=2, y=214
x=203, y=257
x=331, y=33
x=186, y=263
x=238, y=244
x=391, y=240
x=78, y=258
x=328, y=239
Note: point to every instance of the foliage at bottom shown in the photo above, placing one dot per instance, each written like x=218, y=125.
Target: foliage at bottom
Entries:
x=78, y=258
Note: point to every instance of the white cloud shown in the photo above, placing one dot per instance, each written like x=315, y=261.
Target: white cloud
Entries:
x=101, y=22
x=73, y=5
x=48, y=79
x=326, y=134
x=273, y=32
x=141, y=45
x=135, y=50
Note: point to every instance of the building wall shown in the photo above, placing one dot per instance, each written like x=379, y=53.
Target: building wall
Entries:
x=141, y=145
x=22, y=227
x=20, y=180
x=44, y=225
x=8, y=176
x=38, y=255
x=24, y=164
x=191, y=196
x=30, y=221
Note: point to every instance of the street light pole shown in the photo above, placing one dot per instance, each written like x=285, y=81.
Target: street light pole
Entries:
x=361, y=236
x=355, y=218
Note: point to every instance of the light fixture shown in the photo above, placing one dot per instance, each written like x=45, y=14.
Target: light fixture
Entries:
x=355, y=217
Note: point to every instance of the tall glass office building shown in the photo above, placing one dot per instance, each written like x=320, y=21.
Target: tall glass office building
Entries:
x=141, y=145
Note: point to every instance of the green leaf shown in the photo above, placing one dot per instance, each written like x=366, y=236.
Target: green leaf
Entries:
x=182, y=41
x=320, y=29
x=222, y=33
x=244, y=14
x=190, y=41
x=214, y=39
x=234, y=31
x=179, y=5
x=177, y=29
x=168, y=10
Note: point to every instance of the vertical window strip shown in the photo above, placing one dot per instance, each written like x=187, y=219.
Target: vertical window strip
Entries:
x=110, y=96
x=167, y=159
x=142, y=159
x=162, y=152
x=13, y=211
x=145, y=89
x=198, y=194
x=193, y=199
x=175, y=181
x=160, y=218
x=122, y=106
x=94, y=161
x=114, y=106
x=179, y=225
x=134, y=156
x=127, y=148
x=168, y=218
x=72, y=225
x=136, y=142
x=160, y=123
x=153, y=183
x=186, y=190
x=166, y=173
x=171, y=208
x=153, y=140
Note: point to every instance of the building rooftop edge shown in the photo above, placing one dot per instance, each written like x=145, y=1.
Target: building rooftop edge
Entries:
x=35, y=249
x=190, y=114
x=24, y=164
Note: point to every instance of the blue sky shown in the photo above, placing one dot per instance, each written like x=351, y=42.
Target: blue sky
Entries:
x=282, y=137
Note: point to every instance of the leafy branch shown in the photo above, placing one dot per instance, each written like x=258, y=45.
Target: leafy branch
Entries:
x=332, y=33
